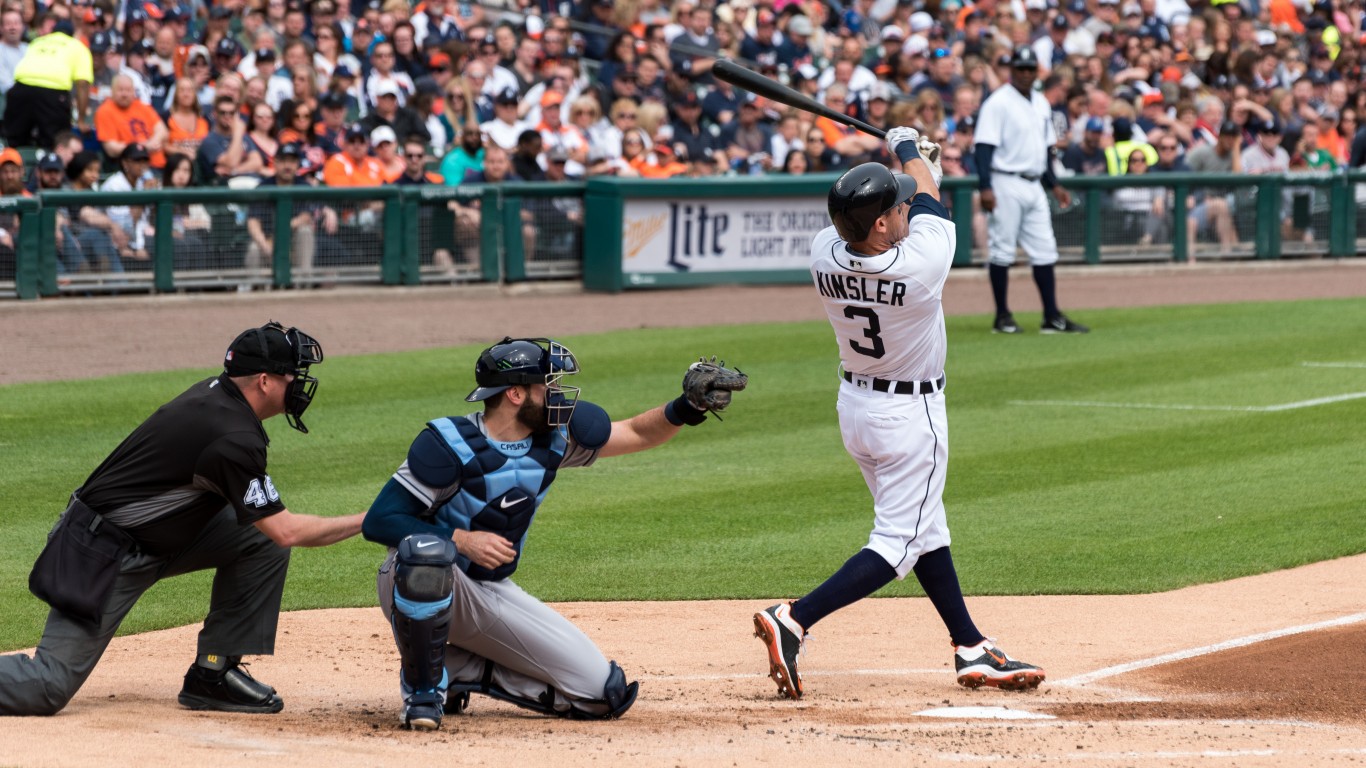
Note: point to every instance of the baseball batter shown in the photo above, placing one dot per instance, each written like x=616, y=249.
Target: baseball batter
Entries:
x=1015, y=133
x=456, y=515
x=880, y=272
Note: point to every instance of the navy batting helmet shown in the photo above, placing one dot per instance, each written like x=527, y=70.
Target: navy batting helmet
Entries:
x=864, y=193
x=1024, y=58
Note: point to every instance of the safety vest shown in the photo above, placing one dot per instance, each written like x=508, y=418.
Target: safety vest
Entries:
x=498, y=493
x=1117, y=156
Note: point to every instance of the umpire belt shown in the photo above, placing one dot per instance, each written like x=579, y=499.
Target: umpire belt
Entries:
x=896, y=387
x=1025, y=176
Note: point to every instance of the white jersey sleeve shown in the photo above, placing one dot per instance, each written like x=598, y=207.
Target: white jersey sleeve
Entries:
x=887, y=310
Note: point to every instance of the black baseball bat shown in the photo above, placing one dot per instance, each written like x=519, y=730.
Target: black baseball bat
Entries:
x=736, y=75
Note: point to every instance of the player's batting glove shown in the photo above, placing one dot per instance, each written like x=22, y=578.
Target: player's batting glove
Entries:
x=930, y=153
x=901, y=143
x=707, y=387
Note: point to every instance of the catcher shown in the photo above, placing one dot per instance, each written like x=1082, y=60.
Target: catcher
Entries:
x=455, y=516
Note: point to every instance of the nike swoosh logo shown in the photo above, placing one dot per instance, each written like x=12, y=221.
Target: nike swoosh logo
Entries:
x=426, y=544
x=507, y=503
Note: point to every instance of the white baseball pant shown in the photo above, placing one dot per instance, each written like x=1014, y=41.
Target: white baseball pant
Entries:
x=1022, y=218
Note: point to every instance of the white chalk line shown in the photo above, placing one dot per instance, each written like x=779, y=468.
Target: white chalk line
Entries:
x=1333, y=365
x=1184, y=407
x=805, y=673
x=1154, y=755
x=1190, y=653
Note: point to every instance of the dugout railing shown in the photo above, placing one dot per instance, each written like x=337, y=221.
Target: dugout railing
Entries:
x=200, y=239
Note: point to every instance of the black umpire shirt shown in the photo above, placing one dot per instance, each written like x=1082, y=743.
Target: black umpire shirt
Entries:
x=201, y=452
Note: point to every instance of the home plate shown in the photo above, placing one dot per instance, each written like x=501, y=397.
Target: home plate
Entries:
x=983, y=713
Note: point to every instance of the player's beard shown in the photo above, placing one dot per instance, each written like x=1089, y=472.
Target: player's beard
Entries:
x=534, y=416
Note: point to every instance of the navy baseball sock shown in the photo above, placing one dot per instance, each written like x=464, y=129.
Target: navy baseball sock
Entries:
x=1000, y=280
x=1048, y=290
x=860, y=576
x=940, y=582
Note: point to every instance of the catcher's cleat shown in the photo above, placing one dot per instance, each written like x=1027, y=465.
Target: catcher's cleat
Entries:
x=985, y=664
x=228, y=690
x=422, y=711
x=785, y=640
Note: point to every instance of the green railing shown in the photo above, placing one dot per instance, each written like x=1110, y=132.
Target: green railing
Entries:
x=395, y=240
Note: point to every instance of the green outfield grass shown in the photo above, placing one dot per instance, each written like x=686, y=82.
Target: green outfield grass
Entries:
x=1043, y=499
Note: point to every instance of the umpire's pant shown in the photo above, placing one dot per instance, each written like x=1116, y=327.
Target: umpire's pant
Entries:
x=30, y=110
x=243, y=614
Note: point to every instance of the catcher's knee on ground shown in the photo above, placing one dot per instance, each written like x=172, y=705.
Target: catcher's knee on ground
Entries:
x=617, y=696
x=423, y=585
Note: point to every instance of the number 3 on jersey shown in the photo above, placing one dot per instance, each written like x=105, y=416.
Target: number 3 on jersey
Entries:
x=261, y=493
x=873, y=331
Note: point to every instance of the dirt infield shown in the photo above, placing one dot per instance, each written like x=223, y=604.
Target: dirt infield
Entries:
x=1250, y=672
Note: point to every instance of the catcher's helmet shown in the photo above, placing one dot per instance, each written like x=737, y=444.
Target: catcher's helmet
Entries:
x=864, y=193
x=528, y=361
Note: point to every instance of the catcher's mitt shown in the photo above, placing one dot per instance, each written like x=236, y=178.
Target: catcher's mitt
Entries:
x=708, y=384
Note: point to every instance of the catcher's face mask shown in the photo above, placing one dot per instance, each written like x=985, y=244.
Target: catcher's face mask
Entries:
x=560, y=398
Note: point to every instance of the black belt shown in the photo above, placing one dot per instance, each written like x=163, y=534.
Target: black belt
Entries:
x=902, y=387
x=1025, y=176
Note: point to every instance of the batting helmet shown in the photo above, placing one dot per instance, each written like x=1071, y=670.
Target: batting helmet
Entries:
x=864, y=193
x=1024, y=58
x=528, y=361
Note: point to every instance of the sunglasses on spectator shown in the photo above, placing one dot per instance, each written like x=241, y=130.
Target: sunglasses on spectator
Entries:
x=1167, y=147
x=226, y=112
x=415, y=155
x=302, y=113
x=815, y=137
x=627, y=115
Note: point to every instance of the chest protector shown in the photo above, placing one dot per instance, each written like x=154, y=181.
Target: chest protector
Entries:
x=498, y=493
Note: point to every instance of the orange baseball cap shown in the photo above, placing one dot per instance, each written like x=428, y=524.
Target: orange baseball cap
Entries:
x=11, y=155
x=551, y=98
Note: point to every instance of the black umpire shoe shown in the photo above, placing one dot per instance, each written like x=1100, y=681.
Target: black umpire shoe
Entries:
x=1061, y=324
x=1005, y=324
x=228, y=690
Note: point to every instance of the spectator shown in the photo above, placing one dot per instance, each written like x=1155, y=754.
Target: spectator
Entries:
x=305, y=224
x=761, y=47
x=147, y=80
x=227, y=55
x=65, y=146
x=795, y=164
x=929, y=113
x=497, y=170
x=191, y=225
x=690, y=138
x=505, y=127
x=1088, y=157
x=407, y=58
x=100, y=239
x=330, y=54
x=795, y=49
x=353, y=166
x=263, y=136
x=329, y=134
x=54, y=67
x=385, y=144
x=123, y=120
x=1144, y=208
x=747, y=141
x=12, y=46
x=1117, y=154
x=383, y=75
x=198, y=69
x=621, y=56
x=227, y=151
x=458, y=112
x=186, y=127
x=132, y=175
x=402, y=121
x=107, y=60
x=465, y=159
x=1213, y=211
x=297, y=127
x=524, y=159
x=1169, y=158
x=555, y=134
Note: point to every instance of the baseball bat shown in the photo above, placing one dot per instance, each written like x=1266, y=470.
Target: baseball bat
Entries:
x=733, y=73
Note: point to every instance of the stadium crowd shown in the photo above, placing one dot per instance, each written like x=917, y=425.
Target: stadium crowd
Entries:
x=119, y=94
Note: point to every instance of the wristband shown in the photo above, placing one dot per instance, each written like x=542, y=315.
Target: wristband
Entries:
x=907, y=151
x=679, y=412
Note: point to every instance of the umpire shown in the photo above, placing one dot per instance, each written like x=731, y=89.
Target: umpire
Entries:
x=186, y=491
x=39, y=104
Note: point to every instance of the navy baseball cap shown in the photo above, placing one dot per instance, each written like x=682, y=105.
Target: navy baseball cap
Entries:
x=51, y=162
x=332, y=100
x=101, y=42
x=293, y=149
x=1270, y=125
x=1095, y=125
x=1229, y=128
x=968, y=123
x=265, y=54
x=357, y=131
x=227, y=47
x=135, y=152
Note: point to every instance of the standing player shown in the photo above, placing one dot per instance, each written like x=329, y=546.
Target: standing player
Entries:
x=880, y=271
x=1014, y=135
x=455, y=516
x=186, y=491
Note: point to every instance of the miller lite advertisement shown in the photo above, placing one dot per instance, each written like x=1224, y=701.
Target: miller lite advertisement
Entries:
x=673, y=237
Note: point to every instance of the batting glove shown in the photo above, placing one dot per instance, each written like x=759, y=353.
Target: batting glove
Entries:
x=930, y=153
x=902, y=137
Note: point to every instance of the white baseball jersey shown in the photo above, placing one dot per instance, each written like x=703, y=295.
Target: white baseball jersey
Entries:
x=886, y=309
x=1021, y=130
x=887, y=313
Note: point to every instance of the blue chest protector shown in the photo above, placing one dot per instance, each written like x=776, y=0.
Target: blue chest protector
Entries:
x=498, y=493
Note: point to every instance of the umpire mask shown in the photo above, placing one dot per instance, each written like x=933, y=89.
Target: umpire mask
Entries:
x=272, y=348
